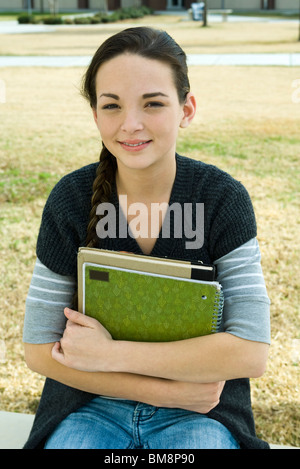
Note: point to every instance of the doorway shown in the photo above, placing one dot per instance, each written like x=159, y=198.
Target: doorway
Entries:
x=268, y=4
x=174, y=4
x=83, y=4
x=28, y=4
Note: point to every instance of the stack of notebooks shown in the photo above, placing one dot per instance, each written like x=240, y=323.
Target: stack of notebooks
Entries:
x=149, y=299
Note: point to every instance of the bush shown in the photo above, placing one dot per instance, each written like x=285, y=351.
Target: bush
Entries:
x=26, y=19
x=82, y=20
x=117, y=15
x=136, y=13
x=95, y=20
x=53, y=20
x=123, y=14
x=68, y=21
x=146, y=10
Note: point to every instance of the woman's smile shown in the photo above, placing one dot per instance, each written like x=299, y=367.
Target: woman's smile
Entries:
x=134, y=145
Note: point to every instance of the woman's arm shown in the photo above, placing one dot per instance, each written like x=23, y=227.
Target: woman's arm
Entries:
x=155, y=391
x=87, y=345
x=205, y=359
x=240, y=351
x=45, y=323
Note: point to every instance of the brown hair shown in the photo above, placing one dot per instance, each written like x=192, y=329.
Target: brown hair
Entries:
x=146, y=42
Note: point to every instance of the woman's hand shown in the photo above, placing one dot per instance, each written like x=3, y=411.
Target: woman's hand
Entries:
x=86, y=345
x=196, y=397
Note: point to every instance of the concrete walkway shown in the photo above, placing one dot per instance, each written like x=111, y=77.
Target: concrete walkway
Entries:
x=13, y=27
x=15, y=428
x=273, y=59
x=286, y=60
x=44, y=61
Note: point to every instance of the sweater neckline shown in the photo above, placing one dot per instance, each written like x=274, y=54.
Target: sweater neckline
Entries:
x=180, y=193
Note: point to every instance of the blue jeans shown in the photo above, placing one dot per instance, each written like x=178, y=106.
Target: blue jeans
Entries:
x=122, y=424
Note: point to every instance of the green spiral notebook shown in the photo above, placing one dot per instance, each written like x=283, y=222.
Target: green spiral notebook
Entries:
x=139, y=298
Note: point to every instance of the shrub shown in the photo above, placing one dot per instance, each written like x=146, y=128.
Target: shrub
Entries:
x=123, y=14
x=53, y=20
x=115, y=16
x=146, y=10
x=82, y=20
x=136, y=13
x=25, y=19
x=103, y=19
x=98, y=17
x=95, y=20
x=68, y=21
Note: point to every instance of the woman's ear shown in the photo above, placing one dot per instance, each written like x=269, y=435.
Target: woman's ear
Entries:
x=95, y=115
x=189, y=110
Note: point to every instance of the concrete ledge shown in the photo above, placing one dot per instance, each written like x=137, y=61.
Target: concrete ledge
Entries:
x=223, y=13
x=15, y=428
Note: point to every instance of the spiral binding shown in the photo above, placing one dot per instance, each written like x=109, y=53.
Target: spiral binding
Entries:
x=218, y=310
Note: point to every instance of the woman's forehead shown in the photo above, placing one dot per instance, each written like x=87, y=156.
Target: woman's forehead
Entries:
x=135, y=71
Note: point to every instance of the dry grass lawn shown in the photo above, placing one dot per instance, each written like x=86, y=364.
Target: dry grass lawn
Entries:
x=247, y=124
x=217, y=38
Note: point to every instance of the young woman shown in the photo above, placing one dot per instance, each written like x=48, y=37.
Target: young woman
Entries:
x=104, y=393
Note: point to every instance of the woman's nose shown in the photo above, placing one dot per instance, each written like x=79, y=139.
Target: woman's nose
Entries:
x=132, y=122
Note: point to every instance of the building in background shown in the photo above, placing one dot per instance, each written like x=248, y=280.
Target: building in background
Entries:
x=96, y=5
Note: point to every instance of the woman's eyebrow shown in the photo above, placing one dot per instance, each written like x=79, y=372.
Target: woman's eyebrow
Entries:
x=145, y=96
x=109, y=95
x=153, y=95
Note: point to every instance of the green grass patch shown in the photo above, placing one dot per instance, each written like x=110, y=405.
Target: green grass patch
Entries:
x=18, y=187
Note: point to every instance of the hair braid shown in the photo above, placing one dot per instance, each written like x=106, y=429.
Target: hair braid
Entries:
x=102, y=188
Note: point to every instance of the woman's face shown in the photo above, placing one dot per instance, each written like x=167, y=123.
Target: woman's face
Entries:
x=138, y=112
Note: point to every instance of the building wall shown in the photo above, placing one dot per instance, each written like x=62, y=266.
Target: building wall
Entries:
x=287, y=4
x=241, y=5
x=10, y=5
x=97, y=5
x=130, y=3
x=63, y=4
x=251, y=4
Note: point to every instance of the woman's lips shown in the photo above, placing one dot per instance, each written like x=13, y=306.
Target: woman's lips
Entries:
x=134, y=145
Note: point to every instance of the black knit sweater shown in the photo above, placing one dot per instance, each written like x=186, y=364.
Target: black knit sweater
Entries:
x=229, y=221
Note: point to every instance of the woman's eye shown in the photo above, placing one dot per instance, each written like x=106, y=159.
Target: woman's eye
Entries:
x=154, y=104
x=110, y=106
